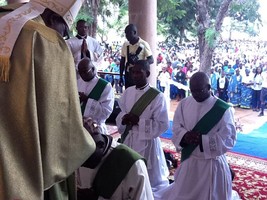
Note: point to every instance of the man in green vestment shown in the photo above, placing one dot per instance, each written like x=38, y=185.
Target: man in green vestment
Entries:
x=43, y=140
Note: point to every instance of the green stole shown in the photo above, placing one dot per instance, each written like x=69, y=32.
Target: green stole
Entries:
x=139, y=107
x=205, y=124
x=114, y=169
x=96, y=92
x=64, y=190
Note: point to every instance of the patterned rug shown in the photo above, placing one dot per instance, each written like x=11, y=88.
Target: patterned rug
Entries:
x=250, y=173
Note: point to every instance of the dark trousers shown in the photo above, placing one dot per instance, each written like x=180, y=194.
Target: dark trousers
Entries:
x=256, y=103
x=263, y=98
x=223, y=95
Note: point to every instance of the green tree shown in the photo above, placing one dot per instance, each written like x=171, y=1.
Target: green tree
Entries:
x=209, y=29
x=169, y=16
x=3, y=2
x=245, y=17
x=110, y=12
x=114, y=15
x=204, y=18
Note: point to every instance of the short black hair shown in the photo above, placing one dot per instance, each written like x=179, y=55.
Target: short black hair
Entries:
x=131, y=27
x=81, y=21
x=144, y=64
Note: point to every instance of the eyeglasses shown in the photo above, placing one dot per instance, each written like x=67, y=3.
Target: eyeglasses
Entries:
x=85, y=72
x=89, y=70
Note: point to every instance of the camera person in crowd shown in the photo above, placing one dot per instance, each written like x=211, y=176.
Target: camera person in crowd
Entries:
x=135, y=48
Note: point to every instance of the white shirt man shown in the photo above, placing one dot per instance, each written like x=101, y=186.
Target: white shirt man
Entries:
x=92, y=46
x=98, y=109
x=144, y=138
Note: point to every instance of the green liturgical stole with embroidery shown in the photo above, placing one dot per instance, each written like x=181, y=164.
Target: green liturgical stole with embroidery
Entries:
x=96, y=92
x=114, y=169
x=139, y=107
x=205, y=124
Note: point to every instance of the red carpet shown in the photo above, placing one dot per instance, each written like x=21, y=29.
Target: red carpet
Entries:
x=250, y=173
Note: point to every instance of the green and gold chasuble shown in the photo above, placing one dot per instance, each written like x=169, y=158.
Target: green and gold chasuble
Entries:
x=41, y=131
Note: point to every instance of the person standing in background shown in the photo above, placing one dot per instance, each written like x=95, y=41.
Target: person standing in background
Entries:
x=164, y=79
x=83, y=45
x=222, y=87
x=256, y=90
x=213, y=81
x=180, y=77
x=135, y=48
x=246, y=91
x=263, y=93
x=116, y=69
x=42, y=138
x=234, y=88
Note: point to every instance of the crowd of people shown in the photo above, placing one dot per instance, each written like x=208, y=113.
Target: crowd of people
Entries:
x=237, y=75
x=59, y=146
x=143, y=117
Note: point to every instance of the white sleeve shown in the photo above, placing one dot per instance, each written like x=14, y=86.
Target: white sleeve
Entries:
x=100, y=110
x=135, y=185
x=157, y=123
x=178, y=127
x=221, y=138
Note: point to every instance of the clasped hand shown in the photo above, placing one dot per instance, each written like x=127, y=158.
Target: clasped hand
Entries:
x=130, y=119
x=83, y=97
x=84, y=47
x=192, y=137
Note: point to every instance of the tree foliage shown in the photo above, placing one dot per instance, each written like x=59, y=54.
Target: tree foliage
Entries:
x=211, y=28
x=245, y=10
x=109, y=13
x=174, y=25
x=3, y=2
x=245, y=16
x=175, y=17
x=113, y=15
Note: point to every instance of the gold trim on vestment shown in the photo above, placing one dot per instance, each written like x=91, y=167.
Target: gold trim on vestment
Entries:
x=10, y=27
x=4, y=68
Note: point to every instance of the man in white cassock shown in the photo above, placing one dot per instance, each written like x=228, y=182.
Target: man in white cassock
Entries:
x=96, y=94
x=140, y=126
x=82, y=45
x=204, y=130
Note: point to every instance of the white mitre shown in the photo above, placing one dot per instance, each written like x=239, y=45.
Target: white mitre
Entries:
x=12, y=23
x=68, y=9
